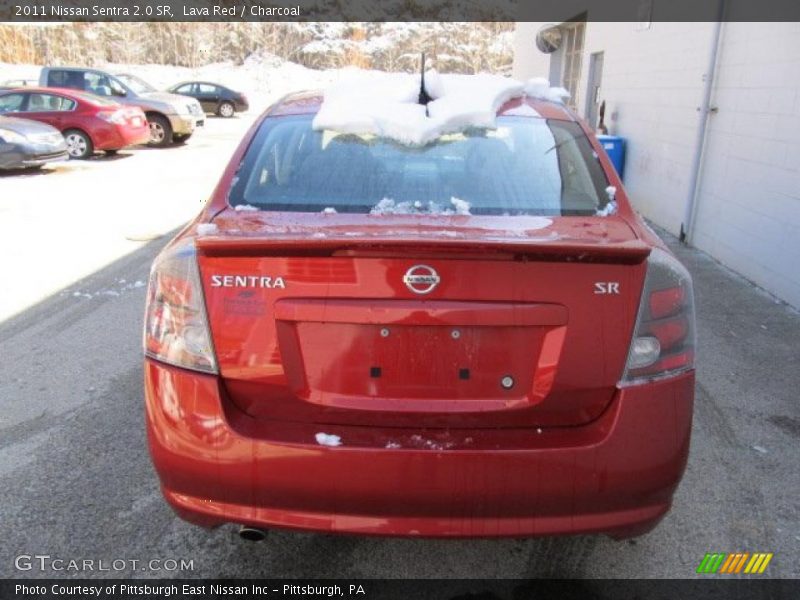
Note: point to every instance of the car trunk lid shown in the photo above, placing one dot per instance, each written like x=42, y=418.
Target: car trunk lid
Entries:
x=403, y=320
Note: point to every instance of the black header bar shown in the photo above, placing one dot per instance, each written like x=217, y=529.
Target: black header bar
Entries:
x=707, y=588
x=32, y=11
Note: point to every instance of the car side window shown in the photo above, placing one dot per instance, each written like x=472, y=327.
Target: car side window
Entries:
x=58, y=79
x=98, y=84
x=49, y=103
x=184, y=89
x=11, y=103
x=205, y=88
x=116, y=88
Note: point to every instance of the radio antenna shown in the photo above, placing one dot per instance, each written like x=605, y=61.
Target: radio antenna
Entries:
x=424, y=97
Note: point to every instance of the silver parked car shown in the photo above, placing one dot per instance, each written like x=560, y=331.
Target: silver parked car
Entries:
x=29, y=144
x=172, y=118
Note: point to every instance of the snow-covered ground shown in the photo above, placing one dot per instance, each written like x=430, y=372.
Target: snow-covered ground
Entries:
x=71, y=219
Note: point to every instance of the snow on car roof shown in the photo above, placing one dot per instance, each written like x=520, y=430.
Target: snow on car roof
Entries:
x=539, y=87
x=388, y=104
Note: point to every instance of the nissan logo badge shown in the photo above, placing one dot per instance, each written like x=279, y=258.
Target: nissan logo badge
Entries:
x=421, y=279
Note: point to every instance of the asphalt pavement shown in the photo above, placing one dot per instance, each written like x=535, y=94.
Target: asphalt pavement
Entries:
x=76, y=481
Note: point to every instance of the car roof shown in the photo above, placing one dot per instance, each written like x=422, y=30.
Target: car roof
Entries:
x=194, y=81
x=74, y=69
x=77, y=95
x=309, y=102
x=28, y=89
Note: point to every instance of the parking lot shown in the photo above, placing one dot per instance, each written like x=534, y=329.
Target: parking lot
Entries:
x=76, y=481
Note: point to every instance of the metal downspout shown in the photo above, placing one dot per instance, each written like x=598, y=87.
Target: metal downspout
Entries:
x=700, y=142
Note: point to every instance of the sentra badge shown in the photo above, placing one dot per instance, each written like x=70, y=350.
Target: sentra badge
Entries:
x=247, y=281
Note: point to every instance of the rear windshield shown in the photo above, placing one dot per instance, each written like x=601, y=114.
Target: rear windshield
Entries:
x=530, y=166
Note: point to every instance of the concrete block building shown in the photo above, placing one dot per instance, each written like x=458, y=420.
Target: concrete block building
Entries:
x=711, y=114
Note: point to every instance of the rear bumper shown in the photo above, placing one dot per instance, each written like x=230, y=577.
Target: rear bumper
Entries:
x=135, y=136
x=616, y=475
x=109, y=136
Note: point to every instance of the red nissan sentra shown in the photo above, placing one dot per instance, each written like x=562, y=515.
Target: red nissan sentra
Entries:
x=88, y=122
x=472, y=337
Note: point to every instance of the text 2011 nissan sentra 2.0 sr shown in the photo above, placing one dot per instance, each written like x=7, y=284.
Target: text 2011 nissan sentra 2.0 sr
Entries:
x=434, y=323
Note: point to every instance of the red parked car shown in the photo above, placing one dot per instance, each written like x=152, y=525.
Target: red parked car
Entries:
x=514, y=356
x=88, y=122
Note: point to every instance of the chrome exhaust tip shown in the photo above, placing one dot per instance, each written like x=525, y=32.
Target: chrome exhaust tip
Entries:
x=252, y=534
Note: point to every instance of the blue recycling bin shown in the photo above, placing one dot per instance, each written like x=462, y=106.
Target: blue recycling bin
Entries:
x=615, y=148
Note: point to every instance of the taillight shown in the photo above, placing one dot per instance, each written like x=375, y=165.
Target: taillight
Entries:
x=175, y=324
x=663, y=339
x=117, y=117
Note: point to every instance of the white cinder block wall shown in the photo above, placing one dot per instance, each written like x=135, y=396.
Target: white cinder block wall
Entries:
x=748, y=209
x=652, y=85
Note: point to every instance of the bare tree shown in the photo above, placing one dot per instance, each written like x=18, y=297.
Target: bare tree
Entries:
x=454, y=47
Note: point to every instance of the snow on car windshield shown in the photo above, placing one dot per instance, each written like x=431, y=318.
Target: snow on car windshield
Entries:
x=524, y=165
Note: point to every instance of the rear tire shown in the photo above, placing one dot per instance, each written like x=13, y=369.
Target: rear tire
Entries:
x=160, y=131
x=226, y=110
x=79, y=144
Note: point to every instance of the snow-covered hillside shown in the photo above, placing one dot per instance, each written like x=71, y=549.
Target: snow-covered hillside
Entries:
x=450, y=47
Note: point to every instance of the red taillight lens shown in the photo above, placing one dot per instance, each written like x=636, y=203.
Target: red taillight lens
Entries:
x=666, y=302
x=663, y=340
x=117, y=116
x=670, y=332
x=135, y=116
x=176, y=327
